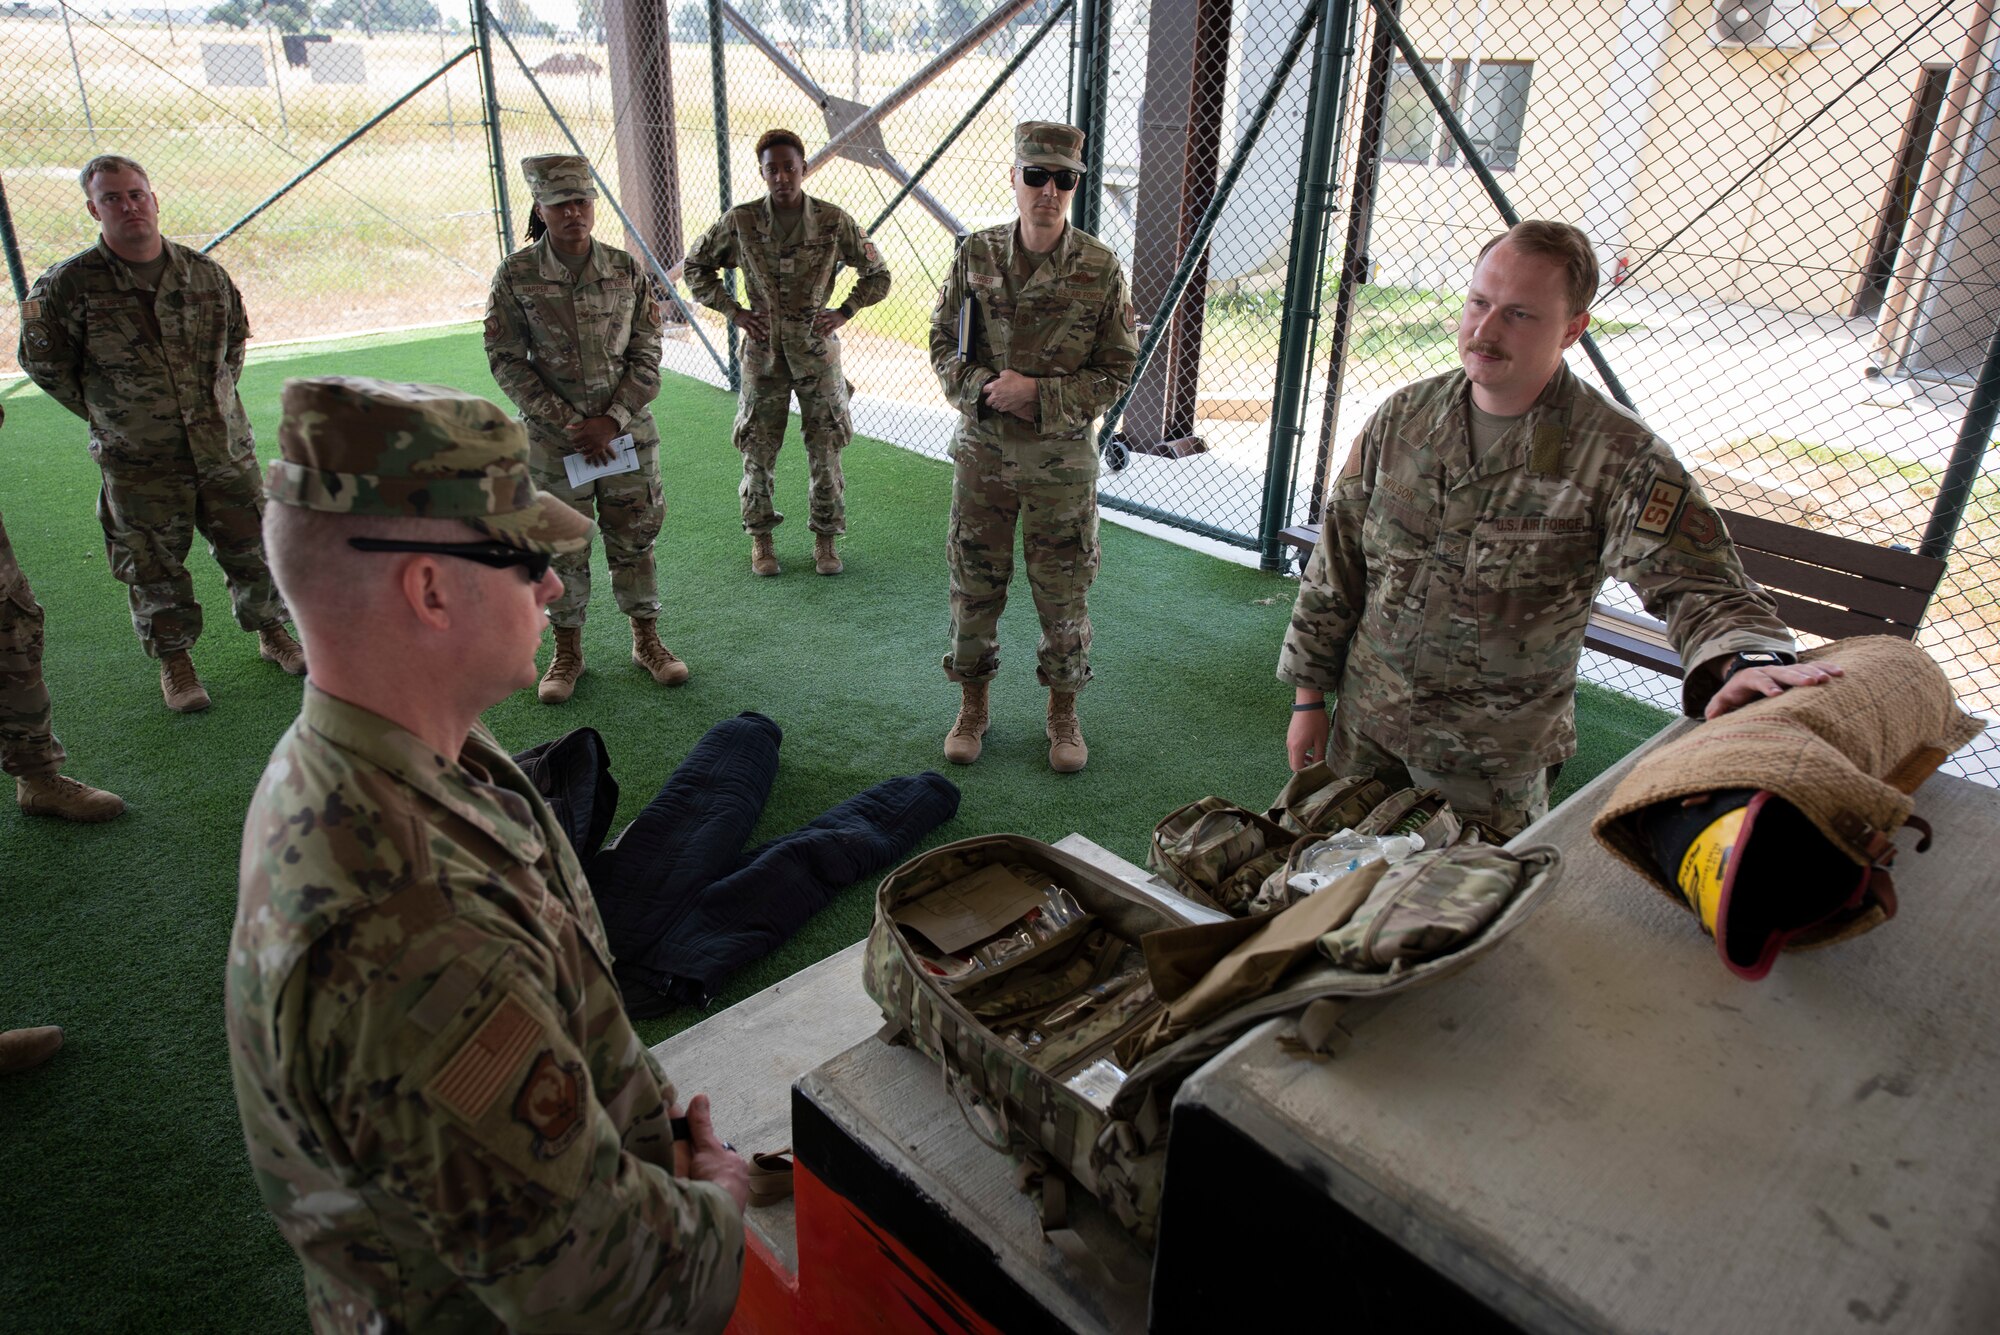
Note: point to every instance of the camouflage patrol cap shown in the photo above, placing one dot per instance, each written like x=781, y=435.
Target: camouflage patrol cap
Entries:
x=557, y=178
x=350, y=445
x=1049, y=144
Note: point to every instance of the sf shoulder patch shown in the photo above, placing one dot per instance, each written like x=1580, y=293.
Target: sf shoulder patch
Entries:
x=550, y=1104
x=1131, y=321
x=1663, y=498
x=30, y=309
x=480, y=1070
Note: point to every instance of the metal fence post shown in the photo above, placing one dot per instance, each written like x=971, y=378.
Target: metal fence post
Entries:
x=718, y=76
x=490, y=95
x=15, y=273
x=1090, y=98
x=1354, y=255
x=1295, y=339
x=1974, y=434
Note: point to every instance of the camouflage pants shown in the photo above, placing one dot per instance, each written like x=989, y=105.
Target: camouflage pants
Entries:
x=28, y=749
x=760, y=430
x=629, y=509
x=154, y=498
x=1058, y=523
x=1505, y=804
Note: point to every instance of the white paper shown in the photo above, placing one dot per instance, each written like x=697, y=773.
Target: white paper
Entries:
x=624, y=459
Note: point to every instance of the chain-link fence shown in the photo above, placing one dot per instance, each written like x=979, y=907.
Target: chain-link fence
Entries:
x=1795, y=205
x=1794, y=201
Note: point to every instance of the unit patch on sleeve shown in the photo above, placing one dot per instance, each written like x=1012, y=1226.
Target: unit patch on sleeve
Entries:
x=550, y=1104
x=1663, y=498
x=1700, y=526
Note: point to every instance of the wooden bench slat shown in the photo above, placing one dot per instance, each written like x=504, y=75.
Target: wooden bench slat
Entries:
x=1300, y=535
x=1869, y=597
x=1833, y=622
x=1907, y=569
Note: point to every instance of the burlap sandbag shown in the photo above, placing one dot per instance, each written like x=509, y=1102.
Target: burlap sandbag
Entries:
x=1847, y=754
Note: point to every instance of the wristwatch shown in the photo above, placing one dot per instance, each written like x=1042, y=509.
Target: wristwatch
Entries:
x=1757, y=658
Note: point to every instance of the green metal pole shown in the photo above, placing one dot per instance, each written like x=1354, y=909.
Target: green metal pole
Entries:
x=1311, y=205
x=15, y=272
x=1090, y=97
x=1974, y=434
x=1224, y=187
x=718, y=76
x=333, y=152
x=1385, y=15
x=972, y=114
x=489, y=92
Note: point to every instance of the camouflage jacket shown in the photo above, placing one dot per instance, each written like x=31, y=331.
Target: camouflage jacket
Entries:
x=12, y=581
x=1448, y=598
x=447, y=1110
x=565, y=347
x=143, y=375
x=790, y=284
x=1070, y=326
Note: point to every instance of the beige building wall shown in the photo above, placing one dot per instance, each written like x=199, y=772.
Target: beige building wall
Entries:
x=1794, y=237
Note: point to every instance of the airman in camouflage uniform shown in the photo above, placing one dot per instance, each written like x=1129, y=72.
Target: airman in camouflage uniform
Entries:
x=1448, y=598
x=790, y=247
x=446, y=1107
x=28, y=747
x=1052, y=345
x=573, y=338
x=143, y=339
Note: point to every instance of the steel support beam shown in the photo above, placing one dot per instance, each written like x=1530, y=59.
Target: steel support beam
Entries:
x=1355, y=265
x=1314, y=203
x=971, y=114
x=1224, y=188
x=336, y=150
x=489, y=101
x=640, y=49
x=1091, y=95
x=1180, y=147
x=1386, y=16
x=1007, y=11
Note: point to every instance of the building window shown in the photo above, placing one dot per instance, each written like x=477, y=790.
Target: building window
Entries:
x=1489, y=99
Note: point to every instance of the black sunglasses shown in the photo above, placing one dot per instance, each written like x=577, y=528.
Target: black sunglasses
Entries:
x=498, y=555
x=1037, y=177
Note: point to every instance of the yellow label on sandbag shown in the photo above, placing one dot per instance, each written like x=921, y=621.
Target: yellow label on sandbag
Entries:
x=1705, y=864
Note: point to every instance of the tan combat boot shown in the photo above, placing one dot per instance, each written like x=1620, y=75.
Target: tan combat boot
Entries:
x=1067, y=753
x=559, y=682
x=23, y=1048
x=180, y=686
x=61, y=796
x=763, y=557
x=825, y=560
x=656, y=658
x=962, y=743
x=276, y=645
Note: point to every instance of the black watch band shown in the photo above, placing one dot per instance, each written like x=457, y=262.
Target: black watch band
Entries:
x=1755, y=658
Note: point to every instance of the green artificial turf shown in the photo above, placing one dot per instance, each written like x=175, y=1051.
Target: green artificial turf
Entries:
x=127, y=1200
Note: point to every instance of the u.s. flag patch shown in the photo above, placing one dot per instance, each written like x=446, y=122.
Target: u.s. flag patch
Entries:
x=1663, y=499
x=472, y=1079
